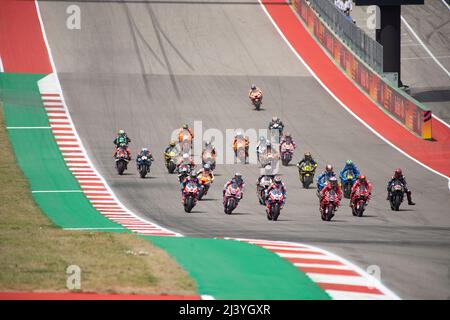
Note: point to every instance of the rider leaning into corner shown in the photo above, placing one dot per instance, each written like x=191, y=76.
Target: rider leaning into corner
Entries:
x=277, y=184
x=398, y=175
x=237, y=179
x=332, y=184
x=254, y=92
x=121, y=139
x=191, y=178
x=206, y=172
x=361, y=182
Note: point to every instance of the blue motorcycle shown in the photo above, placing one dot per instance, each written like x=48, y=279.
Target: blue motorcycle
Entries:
x=143, y=165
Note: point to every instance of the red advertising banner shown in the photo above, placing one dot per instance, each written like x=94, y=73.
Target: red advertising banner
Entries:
x=398, y=105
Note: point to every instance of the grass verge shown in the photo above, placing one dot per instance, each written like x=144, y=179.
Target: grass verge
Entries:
x=34, y=253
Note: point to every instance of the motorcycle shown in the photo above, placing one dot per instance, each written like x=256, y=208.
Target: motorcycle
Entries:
x=185, y=141
x=257, y=100
x=184, y=171
x=261, y=188
x=170, y=161
x=205, y=182
x=121, y=158
x=190, y=191
x=207, y=157
x=347, y=184
x=306, y=174
x=275, y=202
x=359, y=201
x=396, y=195
x=276, y=130
x=240, y=151
x=144, y=164
x=287, y=151
x=328, y=207
x=231, y=198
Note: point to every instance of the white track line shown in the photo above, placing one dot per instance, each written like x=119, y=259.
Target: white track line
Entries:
x=424, y=46
x=341, y=103
x=446, y=4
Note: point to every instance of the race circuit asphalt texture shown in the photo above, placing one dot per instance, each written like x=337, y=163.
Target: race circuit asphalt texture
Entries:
x=150, y=67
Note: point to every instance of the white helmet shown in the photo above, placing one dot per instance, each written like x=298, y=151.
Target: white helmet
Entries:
x=185, y=156
x=144, y=150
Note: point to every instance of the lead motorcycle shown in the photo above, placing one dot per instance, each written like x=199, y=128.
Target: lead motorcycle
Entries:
x=190, y=191
x=396, y=195
x=121, y=159
x=231, y=198
x=275, y=203
x=257, y=100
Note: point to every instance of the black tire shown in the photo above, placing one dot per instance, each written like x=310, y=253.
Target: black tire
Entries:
x=397, y=202
x=347, y=190
x=330, y=213
x=201, y=193
x=230, y=206
x=307, y=182
x=121, y=165
x=171, y=167
x=275, y=211
x=360, y=210
x=143, y=171
x=257, y=105
x=188, y=204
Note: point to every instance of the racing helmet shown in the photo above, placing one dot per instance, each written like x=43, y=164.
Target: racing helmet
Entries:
x=185, y=156
x=277, y=180
x=207, y=166
x=275, y=119
x=308, y=155
x=398, y=172
x=362, y=178
x=329, y=168
x=238, y=176
x=333, y=181
x=172, y=143
x=144, y=150
x=253, y=87
x=349, y=162
x=185, y=126
x=121, y=132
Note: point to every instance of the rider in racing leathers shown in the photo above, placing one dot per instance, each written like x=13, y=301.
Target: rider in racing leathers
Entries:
x=237, y=178
x=121, y=139
x=254, y=91
x=349, y=167
x=332, y=184
x=398, y=175
x=361, y=182
x=144, y=152
x=277, y=184
x=324, y=176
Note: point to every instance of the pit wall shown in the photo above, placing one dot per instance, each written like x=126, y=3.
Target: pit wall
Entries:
x=408, y=111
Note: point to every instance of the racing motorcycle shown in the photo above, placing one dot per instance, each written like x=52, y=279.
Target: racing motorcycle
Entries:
x=306, y=174
x=205, y=182
x=359, y=201
x=328, y=207
x=185, y=141
x=171, y=161
x=121, y=158
x=261, y=188
x=396, y=195
x=276, y=130
x=240, y=150
x=257, y=100
x=143, y=166
x=287, y=151
x=207, y=157
x=184, y=171
x=347, y=184
x=274, y=201
x=231, y=198
x=191, y=192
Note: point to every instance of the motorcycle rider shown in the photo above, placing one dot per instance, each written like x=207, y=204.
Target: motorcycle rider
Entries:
x=206, y=172
x=240, y=136
x=287, y=138
x=209, y=147
x=260, y=148
x=181, y=130
x=361, y=182
x=254, y=92
x=276, y=120
x=277, y=184
x=398, y=175
x=191, y=178
x=144, y=152
x=332, y=184
x=352, y=169
x=122, y=139
x=171, y=148
x=237, y=178
x=307, y=158
x=324, y=176
x=186, y=159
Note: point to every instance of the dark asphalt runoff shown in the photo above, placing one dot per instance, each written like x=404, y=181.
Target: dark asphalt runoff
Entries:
x=150, y=67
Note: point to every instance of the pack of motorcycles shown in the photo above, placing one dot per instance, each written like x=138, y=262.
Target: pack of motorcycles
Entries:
x=194, y=192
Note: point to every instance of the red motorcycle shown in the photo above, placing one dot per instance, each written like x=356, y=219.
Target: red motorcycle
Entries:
x=190, y=192
x=359, y=201
x=231, y=198
x=121, y=158
x=328, y=205
x=275, y=202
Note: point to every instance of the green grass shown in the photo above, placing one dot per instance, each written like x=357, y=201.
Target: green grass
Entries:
x=34, y=253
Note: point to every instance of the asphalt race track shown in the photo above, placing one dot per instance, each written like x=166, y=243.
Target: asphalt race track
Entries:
x=149, y=67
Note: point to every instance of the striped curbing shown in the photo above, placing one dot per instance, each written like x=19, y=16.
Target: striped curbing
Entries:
x=91, y=182
x=341, y=279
